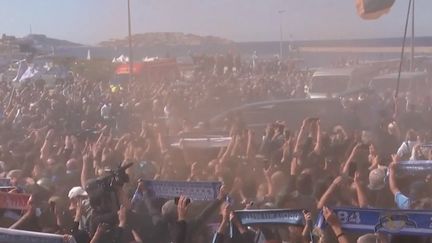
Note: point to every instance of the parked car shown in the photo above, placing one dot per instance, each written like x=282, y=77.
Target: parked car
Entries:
x=292, y=111
x=409, y=81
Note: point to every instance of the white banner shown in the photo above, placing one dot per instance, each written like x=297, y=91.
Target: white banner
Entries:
x=21, y=236
x=203, y=142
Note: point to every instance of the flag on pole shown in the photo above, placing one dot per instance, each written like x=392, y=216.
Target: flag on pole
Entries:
x=22, y=67
x=29, y=73
x=373, y=9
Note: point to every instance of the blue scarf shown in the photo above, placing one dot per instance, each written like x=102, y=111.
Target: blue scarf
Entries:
x=269, y=216
x=196, y=191
x=414, y=168
x=5, y=183
x=392, y=221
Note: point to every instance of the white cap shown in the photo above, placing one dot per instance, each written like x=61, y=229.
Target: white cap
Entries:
x=77, y=191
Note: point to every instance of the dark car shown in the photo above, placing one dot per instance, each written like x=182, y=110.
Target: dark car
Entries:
x=292, y=111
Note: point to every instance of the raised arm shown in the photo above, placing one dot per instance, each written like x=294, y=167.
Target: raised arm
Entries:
x=307, y=230
x=392, y=177
x=350, y=159
x=45, y=150
x=219, y=235
x=330, y=191
x=267, y=174
x=228, y=151
x=86, y=167
x=301, y=135
x=250, y=148
x=361, y=191
x=182, y=209
x=335, y=225
x=318, y=144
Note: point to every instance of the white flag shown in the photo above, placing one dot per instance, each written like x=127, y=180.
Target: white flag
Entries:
x=22, y=67
x=29, y=73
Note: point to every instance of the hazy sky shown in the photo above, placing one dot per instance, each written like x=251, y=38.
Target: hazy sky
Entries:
x=91, y=21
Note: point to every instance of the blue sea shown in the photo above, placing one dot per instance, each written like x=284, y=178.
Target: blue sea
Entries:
x=246, y=50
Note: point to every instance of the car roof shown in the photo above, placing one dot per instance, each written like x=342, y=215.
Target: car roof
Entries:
x=333, y=72
x=404, y=76
x=274, y=102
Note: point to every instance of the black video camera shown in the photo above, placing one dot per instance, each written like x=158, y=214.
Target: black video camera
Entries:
x=101, y=188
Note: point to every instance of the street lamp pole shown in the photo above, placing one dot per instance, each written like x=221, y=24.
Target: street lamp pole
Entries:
x=412, y=38
x=130, y=44
x=281, y=35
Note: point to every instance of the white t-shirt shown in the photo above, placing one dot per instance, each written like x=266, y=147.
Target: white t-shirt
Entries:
x=405, y=148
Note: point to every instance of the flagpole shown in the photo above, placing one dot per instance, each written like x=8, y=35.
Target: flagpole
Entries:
x=412, y=37
x=403, y=49
x=130, y=43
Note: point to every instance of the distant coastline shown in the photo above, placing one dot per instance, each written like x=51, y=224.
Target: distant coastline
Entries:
x=313, y=52
x=384, y=49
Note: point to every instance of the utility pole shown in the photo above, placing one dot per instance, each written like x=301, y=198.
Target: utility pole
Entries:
x=412, y=64
x=281, y=12
x=130, y=44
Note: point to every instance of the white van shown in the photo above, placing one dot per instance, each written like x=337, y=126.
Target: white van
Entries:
x=331, y=82
x=327, y=83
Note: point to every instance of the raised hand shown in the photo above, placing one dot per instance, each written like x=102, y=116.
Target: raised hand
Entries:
x=182, y=208
x=122, y=216
x=222, y=193
x=226, y=212
x=331, y=217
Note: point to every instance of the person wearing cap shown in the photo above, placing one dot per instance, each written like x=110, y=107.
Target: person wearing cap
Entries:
x=378, y=189
x=368, y=238
x=79, y=206
x=376, y=179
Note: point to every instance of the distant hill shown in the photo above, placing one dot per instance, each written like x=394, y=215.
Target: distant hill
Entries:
x=43, y=42
x=165, y=39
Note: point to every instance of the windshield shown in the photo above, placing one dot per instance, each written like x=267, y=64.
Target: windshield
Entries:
x=329, y=84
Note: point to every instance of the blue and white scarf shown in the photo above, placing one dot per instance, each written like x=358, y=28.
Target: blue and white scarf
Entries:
x=414, y=168
x=269, y=217
x=398, y=222
x=196, y=191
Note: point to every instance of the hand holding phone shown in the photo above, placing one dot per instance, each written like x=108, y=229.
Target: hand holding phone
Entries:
x=176, y=201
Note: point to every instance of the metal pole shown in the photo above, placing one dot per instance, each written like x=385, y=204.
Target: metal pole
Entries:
x=130, y=45
x=403, y=50
x=412, y=64
x=281, y=35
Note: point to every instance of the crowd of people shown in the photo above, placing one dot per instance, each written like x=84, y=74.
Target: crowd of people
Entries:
x=55, y=143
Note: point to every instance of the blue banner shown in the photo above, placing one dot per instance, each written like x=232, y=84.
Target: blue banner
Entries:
x=270, y=216
x=5, y=183
x=398, y=222
x=21, y=236
x=414, y=168
x=196, y=191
